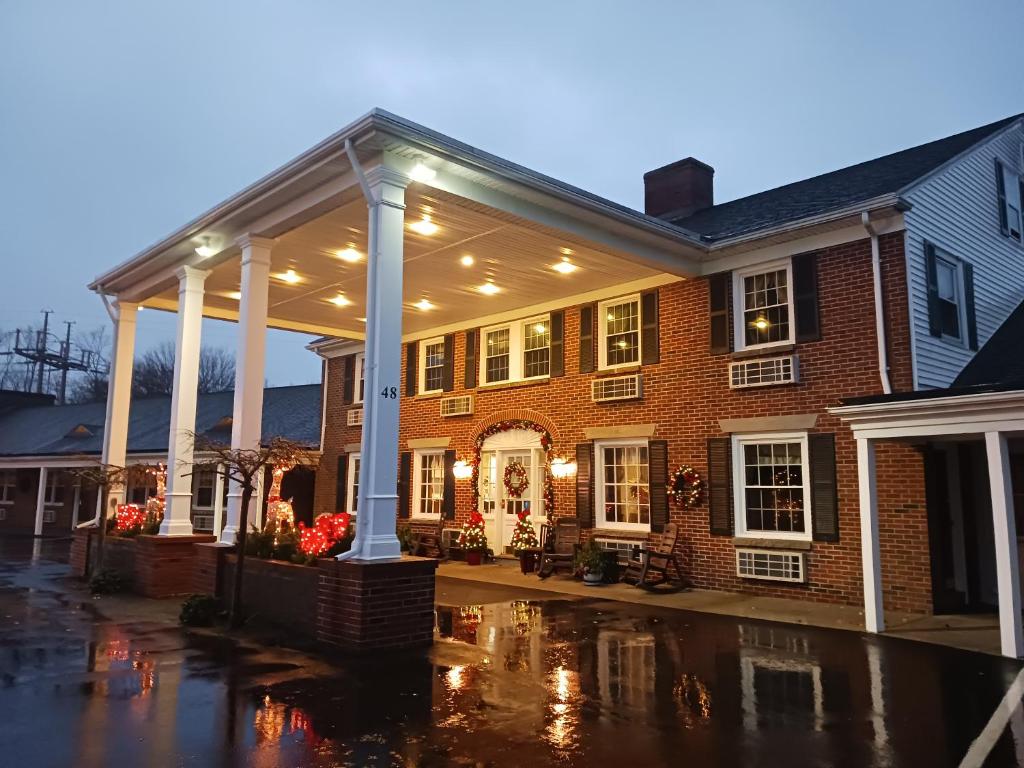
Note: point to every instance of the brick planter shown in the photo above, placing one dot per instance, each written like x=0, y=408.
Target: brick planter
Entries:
x=364, y=606
x=80, y=551
x=281, y=593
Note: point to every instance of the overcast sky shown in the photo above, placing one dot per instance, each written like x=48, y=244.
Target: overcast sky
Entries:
x=120, y=121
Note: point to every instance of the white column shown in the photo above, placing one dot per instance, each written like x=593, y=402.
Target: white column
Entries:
x=119, y=394
x=378, y=468
x=250, y=364
x=257, y=500
x=178, y=507
x=218, y=500
x=76, y=503
x=40, y=501
x=1011, y=636
x=871, y=561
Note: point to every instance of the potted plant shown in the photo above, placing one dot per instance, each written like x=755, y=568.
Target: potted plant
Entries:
x=590, y=562
x=524, y=543
x=473, y=540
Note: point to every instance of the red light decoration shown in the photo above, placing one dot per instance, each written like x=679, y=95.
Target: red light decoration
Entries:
x=326, y=531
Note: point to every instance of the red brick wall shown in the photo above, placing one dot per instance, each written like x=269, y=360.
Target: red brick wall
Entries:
x=685, y=395
x=336, y=437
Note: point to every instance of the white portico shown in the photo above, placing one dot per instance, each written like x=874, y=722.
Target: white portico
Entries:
x=386, y=232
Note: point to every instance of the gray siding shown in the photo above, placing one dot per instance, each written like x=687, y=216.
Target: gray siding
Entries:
x=956, y=209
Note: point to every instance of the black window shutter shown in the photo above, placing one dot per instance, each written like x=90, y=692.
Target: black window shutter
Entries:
x=587, y=338
x=348, y=379
x=557, y=340
x=469, y=375
x=934, y=321
x=720, y=485
x=649, y=327
x=341, y=486
x=404, y=482
x=448, y=372
x=412, y=368
x=1004, y=224
x=585, y=484
x=824, y=502
x=972, y=320
x=448, y=502
x=657, y=477
x=805, y=296
x=720, y=290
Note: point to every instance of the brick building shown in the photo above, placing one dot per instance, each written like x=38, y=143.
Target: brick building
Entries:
x=485, y=315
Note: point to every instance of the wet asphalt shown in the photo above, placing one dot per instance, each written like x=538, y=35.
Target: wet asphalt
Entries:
x=514, y=679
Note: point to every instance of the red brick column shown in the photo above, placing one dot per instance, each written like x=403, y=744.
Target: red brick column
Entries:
x=79, y=560
x=208, y=568
x=376, y=605
x=164, y=564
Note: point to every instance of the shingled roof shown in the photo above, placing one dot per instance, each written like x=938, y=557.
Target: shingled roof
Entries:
x=833, y=191
x=70, y=430
x=999, y=363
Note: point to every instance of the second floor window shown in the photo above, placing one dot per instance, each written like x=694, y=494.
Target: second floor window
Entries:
x=517, y=351
x=432, y=366
x=947, y=278
x=619, y=324
x=536, y=349
x=763, y=306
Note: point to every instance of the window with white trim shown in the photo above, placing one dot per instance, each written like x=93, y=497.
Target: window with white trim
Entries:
x=203, y=489
x=352, y=481
x=772, y=486
x=619, y=332
x=764, y=306
x=622, y=486
x=516, y=352
x=431, y=375
x=8, y=485
x=1010, y=199
x=139, y=492
x=360, y=378
x=54, y=495
x=949, y=285
x=428, y=483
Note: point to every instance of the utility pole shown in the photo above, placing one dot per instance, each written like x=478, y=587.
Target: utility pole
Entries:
x=42, y=357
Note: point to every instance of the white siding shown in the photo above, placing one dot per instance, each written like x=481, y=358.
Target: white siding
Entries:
x=957, y=211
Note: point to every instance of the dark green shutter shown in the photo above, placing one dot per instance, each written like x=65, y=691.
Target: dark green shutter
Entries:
x=650, y=353
x=805, y=297
x=448, y=502
x=448, y=372
x=932, y=282
x=472, y=345
x=411, y=367
x=657, y=477
x=557, y=341
x=348, y=379
x=341, y=485
x=1004, y=224
x=824, y=501
x=404, y=482
x=972, y=320
x=720, y=485
x=719, y=294
x=585, y=484
x=587, y=338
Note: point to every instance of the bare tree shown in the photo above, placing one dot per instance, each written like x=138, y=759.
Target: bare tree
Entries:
x=91, y=386
x=153, y=373
x=245, y=467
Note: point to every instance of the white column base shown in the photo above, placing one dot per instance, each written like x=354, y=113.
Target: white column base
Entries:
x=177, y=515
x=380, y=547
x=229, y=534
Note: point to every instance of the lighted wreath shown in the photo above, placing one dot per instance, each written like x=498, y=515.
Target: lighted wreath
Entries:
x=517, y=479
x=686, y=487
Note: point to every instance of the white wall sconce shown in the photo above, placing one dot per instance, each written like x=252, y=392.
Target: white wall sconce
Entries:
x=462, y=470
x=561, y=468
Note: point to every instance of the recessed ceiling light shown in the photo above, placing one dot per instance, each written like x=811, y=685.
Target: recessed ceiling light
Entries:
x=341, y=300
x=350, y=254
x=564, y=266
x=420, y=172
x=488, y=289
x=424, y=304
x=290, y=277
x=361, y=319
x=424, y=226
x=466, y=261
x=565, y=251
x=236, y=295
x=205, y=250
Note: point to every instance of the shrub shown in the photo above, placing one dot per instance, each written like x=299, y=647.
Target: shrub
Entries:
x=260, y=543
x=405, y=538
x=106, y=582
x=199, y=610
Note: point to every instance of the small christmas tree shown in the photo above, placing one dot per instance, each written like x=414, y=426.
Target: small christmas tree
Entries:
x=473, y=536
x=523, y=536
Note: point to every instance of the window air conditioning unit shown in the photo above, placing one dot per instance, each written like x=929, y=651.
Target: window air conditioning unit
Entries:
x=763, y=372
x=770, y=564
x=202, y=522
x=354, y=417
x=461, y=405
x=49, y=515
x=616, y=388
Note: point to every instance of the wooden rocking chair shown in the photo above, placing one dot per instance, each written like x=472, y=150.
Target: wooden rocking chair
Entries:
x=648, y=566
x=561, y=552
x=429, y=543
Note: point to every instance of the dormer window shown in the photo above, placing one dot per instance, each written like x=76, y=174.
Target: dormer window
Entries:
x=1010, y=191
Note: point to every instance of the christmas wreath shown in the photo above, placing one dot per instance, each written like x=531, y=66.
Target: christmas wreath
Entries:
x=686, y=487
x=516, y=478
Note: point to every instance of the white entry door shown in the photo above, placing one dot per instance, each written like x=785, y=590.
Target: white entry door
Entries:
x=511, y=505
x=499, y=507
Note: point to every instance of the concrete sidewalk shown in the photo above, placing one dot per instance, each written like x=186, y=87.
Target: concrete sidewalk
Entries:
x=971, y=632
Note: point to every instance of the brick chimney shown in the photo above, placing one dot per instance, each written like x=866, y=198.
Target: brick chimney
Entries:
x=677, y=190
